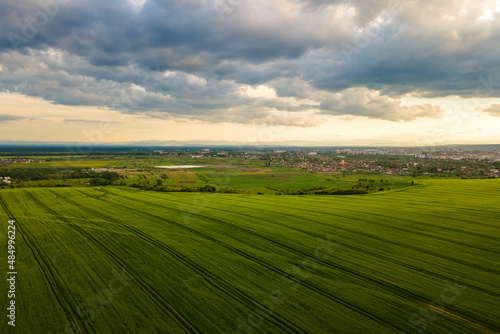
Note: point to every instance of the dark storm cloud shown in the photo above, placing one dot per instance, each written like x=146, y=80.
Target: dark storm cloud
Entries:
x=191, y=58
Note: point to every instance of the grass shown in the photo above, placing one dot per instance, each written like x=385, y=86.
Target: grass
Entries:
x=243, y=176
x=202, y=263
x=276, y=180
x=63, y=164
x=152, y=161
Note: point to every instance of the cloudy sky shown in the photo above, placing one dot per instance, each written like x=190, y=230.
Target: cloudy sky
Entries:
x=278, y=71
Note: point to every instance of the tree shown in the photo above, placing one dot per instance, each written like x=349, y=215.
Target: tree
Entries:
x=209, y=189
x=159, y=182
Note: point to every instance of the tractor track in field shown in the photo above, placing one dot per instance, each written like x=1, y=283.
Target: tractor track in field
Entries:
x=397, y=202
x=208, y=276
x=418, y=249
x=382, y=256
x=264, y=264
x=51, y=279
x=178, y=318
x=397, y=228
x=387, y=286
x=385, y=258
x=436, y=195
x=410, y=230
x=388, y=259
x=380, y=239
x=448, y=228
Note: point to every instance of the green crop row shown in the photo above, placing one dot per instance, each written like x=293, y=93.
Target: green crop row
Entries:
x=120, y=260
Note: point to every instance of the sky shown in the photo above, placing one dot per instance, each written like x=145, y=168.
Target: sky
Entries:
x=295, y=72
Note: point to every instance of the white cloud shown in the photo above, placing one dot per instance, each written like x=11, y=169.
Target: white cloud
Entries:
x=490, y=10
x=361, y=101
x=178, y=60
x=137, y=5
x=259, y=91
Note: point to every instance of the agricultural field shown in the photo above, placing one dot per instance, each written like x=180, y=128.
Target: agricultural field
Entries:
x=152, y=161
x=260, y=180
x=61, y=164
x=226, y=174
x=282, y=180
x=119, y=260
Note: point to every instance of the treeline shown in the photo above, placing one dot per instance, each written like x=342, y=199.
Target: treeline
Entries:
x=103, y=179
x=342, y=192
x=281, y=191
x=205, y=189
x=41, y=174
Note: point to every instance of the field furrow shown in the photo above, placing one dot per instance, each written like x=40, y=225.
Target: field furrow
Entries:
x=420, y=260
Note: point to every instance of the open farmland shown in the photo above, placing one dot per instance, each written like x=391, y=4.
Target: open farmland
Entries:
x=61, y=164
x=120, y=260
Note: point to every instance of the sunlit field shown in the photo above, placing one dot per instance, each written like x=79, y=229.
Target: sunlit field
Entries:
x=111, y=259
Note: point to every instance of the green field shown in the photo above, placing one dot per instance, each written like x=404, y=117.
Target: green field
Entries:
x=119, y=260
x=61, y=164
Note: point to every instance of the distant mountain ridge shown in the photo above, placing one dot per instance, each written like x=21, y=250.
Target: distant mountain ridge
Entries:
x=213, y=143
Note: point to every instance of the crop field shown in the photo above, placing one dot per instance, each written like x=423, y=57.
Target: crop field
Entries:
x=61, y=164
x=152, y=161
x=268, y=180
x=118, y=260
x=279, y=180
